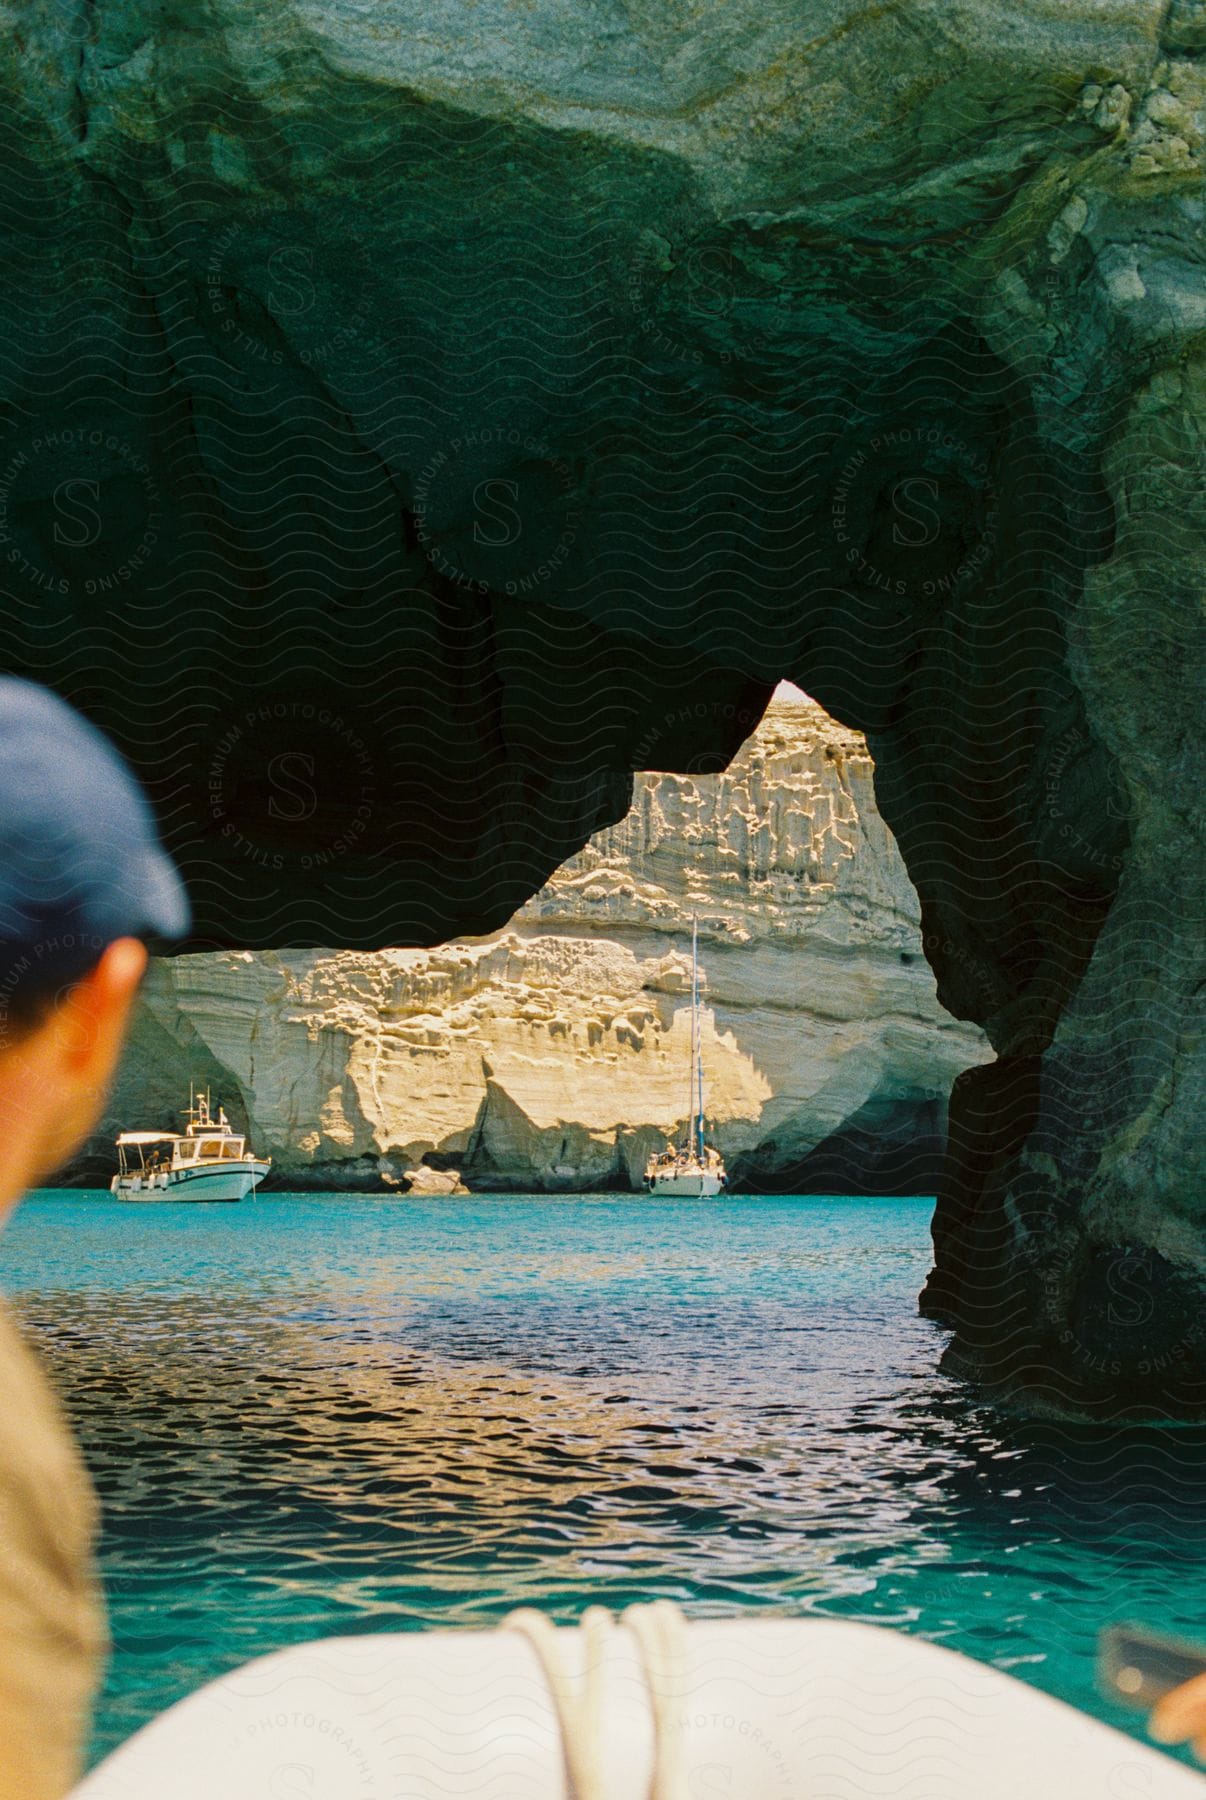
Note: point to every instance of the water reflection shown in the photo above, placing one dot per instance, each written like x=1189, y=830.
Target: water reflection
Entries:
x=318, y=1417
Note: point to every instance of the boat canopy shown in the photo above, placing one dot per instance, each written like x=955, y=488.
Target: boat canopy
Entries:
x=149, y=1137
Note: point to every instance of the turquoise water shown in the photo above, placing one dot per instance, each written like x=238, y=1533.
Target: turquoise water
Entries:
x=309, y=1415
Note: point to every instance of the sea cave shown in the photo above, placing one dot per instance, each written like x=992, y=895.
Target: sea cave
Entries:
x=405, y=441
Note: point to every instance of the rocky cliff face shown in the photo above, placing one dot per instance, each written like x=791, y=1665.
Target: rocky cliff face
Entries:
x=403, y=441
x=556, y=1053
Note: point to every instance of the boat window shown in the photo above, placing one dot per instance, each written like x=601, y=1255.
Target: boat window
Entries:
x=186, y=1152
x=211, y=1147
x=233, y=1150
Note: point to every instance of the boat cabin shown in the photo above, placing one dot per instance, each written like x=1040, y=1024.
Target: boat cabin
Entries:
x=204, y=1140
x=207, y=1139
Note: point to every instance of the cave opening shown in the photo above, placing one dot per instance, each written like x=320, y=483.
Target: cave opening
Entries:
x=553, y=1052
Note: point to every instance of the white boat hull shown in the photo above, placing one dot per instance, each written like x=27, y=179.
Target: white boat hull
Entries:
x=229, y=1182
x=693, y=1184
x=763, y=1708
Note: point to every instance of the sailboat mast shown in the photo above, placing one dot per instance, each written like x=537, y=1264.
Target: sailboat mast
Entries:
x=699, y=1044
x=694, y=1029
x=697, y=1072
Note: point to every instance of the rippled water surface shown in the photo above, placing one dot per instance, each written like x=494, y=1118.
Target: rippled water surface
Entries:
x=327, y=1414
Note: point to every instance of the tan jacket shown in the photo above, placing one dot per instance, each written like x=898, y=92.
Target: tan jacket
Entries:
x=52, y=1627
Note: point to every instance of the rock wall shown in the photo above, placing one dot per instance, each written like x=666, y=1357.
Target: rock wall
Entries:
x=555, y=1054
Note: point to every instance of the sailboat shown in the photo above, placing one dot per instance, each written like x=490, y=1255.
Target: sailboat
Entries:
x=693, y=1168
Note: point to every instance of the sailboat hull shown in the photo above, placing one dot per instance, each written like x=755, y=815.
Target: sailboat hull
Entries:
x=693, y=1184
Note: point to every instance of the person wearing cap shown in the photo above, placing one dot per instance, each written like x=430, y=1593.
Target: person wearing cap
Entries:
x=84, y=885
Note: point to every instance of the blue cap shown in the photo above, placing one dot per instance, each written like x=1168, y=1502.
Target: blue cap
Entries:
x=80, y=859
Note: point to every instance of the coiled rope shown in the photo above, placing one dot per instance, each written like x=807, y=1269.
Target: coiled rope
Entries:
x=660, y=1632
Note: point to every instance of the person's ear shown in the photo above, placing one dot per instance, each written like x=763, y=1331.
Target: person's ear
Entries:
x=94, y=1014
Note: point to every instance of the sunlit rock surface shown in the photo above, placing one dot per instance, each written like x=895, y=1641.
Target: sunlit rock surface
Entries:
x=556, y=1054
x=417, y=417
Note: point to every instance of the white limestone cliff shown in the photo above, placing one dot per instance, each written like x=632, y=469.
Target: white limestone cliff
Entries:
x=554, y=1054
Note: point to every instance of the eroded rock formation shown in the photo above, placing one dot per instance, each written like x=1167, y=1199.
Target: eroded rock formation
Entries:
x=414, y=422
x=556, y=1054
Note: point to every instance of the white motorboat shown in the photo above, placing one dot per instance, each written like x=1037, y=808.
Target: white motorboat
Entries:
x=693, y=1168
x=207, y=1161
x=756, y=1709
